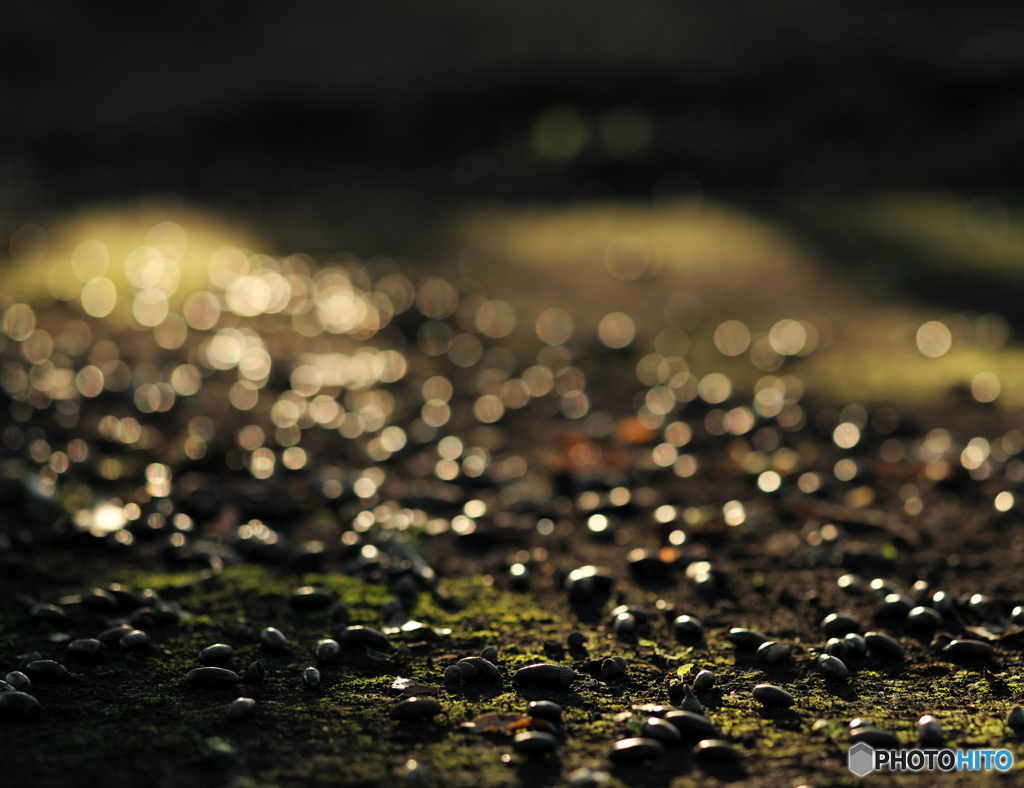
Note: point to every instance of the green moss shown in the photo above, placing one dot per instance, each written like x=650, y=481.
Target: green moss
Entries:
x=341, y=734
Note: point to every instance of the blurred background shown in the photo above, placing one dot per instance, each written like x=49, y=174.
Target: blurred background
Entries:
x=857, y=166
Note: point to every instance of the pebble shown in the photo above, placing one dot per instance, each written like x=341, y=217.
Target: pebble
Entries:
x=484, y=670
x=838, y=624
x=415, y=708
x=624, y=625
x=746, y=639
x=883, y=587
x=704, y=681
x=649, y=709
x=212, y=677
x=587, y=778
x=453, y=676
x=490, y=654
x=100, y=599
x=717, y=750
x=969, y=649
x=876, y=737
x=691, y=724
x=688, y=628
x=241, y=708
x=5, y=687
x=985, y=607
x=44, y=670
x=18, y=706
x=1017, y=616
x=24, y=659
x=519, y=577
x=773, y=653
x=255, y=673
x=311, y=599
x=327, y=650
x=589, y=583
x=134, y=640
x=852, y=584
x=219, y=654
x=311, y=677
x=636, y=749
x=833, y=668
x=359, y=636
x=942, y=602
x=856, y=645
x=690, y=702
x=545, y=710
x=534, y=743
x=113, y=635
x=416, y=774
x=929, y=731
x=542, y=673
x=882, y=645
x=894, y=606
x=836, y=647
x=87, y=650
x=273, y=639
x=126, y=598
x=19, y=681
x=168, y=612
x=576, y=641
x=51, y=614
x=1015, y=719
x=613, y=667
x=144, y=618
x=924, y=619
x=662, y=730
x=770, y=695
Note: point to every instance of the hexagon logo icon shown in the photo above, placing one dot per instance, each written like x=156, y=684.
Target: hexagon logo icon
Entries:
x=861, y=759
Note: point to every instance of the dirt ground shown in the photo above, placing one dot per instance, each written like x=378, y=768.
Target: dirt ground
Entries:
x=483, y=558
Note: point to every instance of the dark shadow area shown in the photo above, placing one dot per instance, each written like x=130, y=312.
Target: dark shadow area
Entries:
x=379, y=120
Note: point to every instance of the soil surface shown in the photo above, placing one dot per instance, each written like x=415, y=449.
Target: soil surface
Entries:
x=459, y=486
